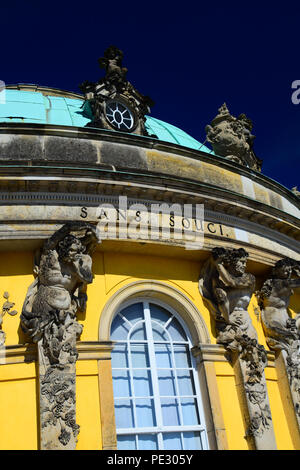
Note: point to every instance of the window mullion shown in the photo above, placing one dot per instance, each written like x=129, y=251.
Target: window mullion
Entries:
x=177, y=392
x=131, y=383
x=154, y=377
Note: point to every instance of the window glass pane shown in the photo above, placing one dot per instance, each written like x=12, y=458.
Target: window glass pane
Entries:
x=192, y=441
x=159, y=334
x=133, y=313
x=147, y=442
x=126, y=442
x=166, y=382
x=119, y=329
x=185, y=382
x=145, y=412
x=163, y=355
x=124, y=413
x=182, y=356
x=159, y=314
x=140, y=368
x=189, y=411
x=172, y=441
x=176, y=331
x=139, y=355
x=121, y=383
x=119, y=355
x=170, y=412
x=142, y=383
x=138, y=332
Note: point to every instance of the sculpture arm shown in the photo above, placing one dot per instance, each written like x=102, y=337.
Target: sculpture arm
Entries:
x=295, y=283
x=66, y=229
x=224, y=276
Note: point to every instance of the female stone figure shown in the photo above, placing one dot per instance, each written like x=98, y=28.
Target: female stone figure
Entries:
x=279, y=327
x=283, y=332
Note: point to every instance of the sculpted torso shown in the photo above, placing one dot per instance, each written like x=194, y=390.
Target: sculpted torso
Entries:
x=275, y=306
x=238, y=292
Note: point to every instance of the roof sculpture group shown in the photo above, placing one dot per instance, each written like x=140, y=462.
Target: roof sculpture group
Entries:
x=114, y=102
x=231, y=138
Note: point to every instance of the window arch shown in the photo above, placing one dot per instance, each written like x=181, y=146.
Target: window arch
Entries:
x=156, y=391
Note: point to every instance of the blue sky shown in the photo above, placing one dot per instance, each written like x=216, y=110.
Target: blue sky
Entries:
x=189, y=57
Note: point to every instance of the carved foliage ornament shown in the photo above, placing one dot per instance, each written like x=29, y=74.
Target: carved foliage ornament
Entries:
x=6, y=309
x=113, y=100
x=231, y=138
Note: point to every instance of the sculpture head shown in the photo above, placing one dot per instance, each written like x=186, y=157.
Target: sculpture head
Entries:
x=238, y=262
x=72, y=251
x=69, y=247
x=234, y=260
x=283, y=268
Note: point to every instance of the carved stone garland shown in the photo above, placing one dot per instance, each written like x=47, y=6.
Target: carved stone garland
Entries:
x=228, y=289
x=283, y=332
x=63, y=268
x=6, y=308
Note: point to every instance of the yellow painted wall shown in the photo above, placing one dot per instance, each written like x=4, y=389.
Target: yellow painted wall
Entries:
x=18, y=389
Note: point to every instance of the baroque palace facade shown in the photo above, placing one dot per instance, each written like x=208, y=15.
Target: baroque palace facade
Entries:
x=150, y=284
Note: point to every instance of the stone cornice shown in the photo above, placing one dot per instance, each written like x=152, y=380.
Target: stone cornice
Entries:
x=89, y=186
x=148, y=143
x=87, y=350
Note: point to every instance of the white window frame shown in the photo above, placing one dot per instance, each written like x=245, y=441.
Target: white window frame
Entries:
x=161, y=429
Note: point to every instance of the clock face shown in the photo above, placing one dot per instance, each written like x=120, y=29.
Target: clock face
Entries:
x=119, y=116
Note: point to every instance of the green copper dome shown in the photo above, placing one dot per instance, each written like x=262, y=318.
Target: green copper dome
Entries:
x=33, y=104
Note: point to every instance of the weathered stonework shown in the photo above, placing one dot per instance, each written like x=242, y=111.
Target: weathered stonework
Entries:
x=228, y=288
x=63, y=269
x=115, y=88
x=231, y=138
x=6, y=308
x=283, y=332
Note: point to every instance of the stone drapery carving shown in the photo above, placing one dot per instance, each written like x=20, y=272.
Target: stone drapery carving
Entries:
x=6, y=309
x=231, y=138
x=63, y=269
x=228, y=288
x=283, y=332
x=114, y=87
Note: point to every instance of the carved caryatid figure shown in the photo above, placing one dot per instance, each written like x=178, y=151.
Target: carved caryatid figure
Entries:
x=281, y=330
x=228, y=288
x=279, y=327
x=231, y=138
x=63, y=269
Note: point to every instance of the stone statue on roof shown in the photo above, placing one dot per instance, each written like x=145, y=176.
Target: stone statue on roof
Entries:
x=231, y=138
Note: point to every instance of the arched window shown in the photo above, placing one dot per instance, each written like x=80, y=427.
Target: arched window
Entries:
x=156, y=391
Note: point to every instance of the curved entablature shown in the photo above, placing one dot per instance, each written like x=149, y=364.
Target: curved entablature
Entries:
x=52, y=174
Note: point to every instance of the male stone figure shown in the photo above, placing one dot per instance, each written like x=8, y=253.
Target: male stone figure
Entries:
x=63, y=269
x=228, y=288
